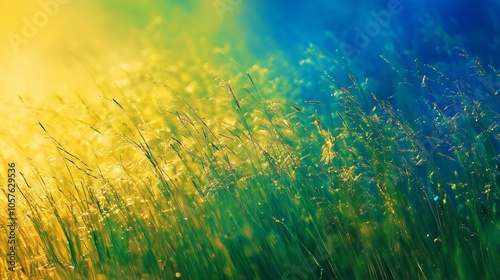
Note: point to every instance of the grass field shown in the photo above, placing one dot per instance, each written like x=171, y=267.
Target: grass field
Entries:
x=184, y=166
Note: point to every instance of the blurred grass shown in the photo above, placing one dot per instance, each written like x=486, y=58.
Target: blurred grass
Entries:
x=179, y=164
x=198, y=175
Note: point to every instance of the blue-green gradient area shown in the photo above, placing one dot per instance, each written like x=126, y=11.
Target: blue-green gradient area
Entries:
x=417, y=55
x=359, y=32
x=361, y=29
x=361, y=37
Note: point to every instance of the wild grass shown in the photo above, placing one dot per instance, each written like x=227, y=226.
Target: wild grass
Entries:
x=205, y=175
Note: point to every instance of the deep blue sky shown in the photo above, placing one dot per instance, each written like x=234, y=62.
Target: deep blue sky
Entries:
x=424, y=28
